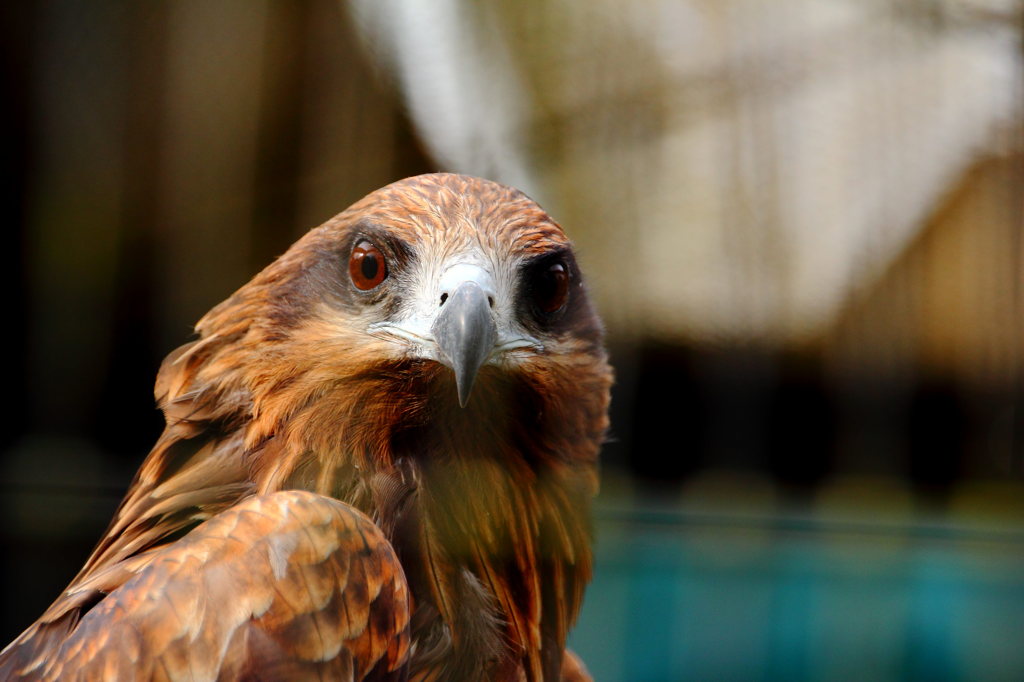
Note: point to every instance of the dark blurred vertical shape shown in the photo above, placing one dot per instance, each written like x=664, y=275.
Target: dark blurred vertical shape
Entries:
x=17, y=28
x=129, y=416
x=800, y=423
x=215, y=69
x=278, y=154
x=937, y=436
x=75, y=201
x=738, y=390
x=667, y=436
x=355, y=135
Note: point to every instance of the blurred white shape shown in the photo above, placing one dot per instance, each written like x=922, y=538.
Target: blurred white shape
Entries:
x=458, y=81
x=730, y=168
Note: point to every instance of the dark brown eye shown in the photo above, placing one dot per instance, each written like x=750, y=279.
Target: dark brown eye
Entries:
x=366, y=265
x=551, y=288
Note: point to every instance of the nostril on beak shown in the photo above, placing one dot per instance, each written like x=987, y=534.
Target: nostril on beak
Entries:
x=444, y=297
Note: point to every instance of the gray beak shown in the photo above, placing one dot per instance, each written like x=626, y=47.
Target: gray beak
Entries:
x=465, y=332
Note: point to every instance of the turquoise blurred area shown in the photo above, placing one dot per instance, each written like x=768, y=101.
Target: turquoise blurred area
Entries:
x=730, y=594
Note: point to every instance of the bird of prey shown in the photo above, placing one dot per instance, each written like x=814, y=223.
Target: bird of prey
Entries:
x=378, y=462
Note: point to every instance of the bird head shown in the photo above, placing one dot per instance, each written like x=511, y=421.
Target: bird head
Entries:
x=467, y=274
x=436, y=294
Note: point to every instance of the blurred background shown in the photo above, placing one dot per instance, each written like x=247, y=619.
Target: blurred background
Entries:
x=802, y=221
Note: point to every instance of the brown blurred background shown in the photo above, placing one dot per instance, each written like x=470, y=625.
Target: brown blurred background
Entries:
x=802, y=221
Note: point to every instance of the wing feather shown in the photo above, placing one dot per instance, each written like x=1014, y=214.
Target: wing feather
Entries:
x=290, y=585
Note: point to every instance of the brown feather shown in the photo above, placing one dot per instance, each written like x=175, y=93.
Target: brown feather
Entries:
x=309, y=577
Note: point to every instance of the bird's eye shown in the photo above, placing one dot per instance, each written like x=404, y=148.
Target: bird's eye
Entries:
x=366, y=265
x=551, y=287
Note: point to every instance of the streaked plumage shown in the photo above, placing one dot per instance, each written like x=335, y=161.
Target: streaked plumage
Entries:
x=453, y=540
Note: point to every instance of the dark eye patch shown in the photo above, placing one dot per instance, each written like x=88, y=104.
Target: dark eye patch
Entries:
x=546, y=282
x=552, y=298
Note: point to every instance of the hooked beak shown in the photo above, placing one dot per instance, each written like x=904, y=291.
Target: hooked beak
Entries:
x=465, y=333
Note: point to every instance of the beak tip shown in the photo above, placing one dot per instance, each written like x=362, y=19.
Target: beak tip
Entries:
x=464, y=386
